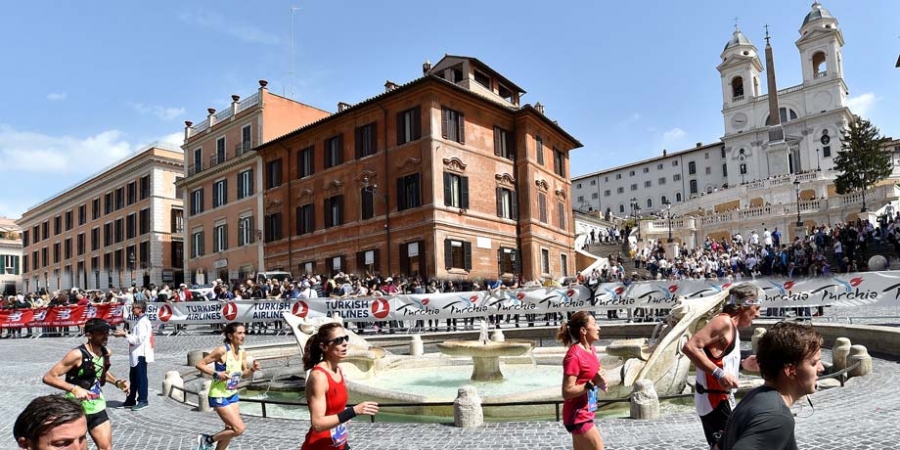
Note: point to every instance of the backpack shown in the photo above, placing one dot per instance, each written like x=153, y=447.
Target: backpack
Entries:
x=89, y=374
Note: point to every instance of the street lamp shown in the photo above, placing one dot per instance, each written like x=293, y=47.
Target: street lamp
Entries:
x=818, y=165
x=797, y=190
x=862, y=179
x=669, y=217
x=131, y=266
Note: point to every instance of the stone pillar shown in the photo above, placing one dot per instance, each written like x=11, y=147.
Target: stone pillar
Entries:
x=416, y=347
x=644, y=401
x=498, y=336
x=173, y=379
x=859, y=353
x=195, y=356
x=839, y=353
x=203, y=403
x=467, y=411
x=754, y=340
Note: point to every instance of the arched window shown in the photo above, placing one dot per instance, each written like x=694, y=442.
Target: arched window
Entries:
x=743, y=169
x=678, y=196
x=787, y=115
x=621, y=209
x=737, y=88
x=819, y=65
x=693, y=186
x=663, y=200
x=692, y=168
x=709, y=189
x=649, y=203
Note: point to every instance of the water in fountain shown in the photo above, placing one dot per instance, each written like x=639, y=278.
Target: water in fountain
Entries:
x=483, y=334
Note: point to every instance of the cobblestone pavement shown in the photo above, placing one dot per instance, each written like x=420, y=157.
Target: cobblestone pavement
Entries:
x=862, y=415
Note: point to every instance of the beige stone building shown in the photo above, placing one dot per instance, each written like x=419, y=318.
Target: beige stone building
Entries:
x=10, y=257
x=222, y=182
x=120, y=227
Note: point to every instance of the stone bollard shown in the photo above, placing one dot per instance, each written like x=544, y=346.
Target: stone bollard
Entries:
x=467, y=411
x=839, y=353
x=173, y=379
x=416, y=347
x=203, y=402
x=195, y=356
x=859, y=353
x=498, y=336
x=754, y=340
x=644, y=401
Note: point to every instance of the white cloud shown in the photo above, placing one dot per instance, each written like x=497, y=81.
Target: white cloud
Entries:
x=32, y=152
x=629, y=120
x=674, y=135
x=862, y=104
x=244, y=32
x=163, y=112
x=57, y=96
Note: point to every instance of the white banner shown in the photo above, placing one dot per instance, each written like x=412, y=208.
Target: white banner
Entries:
x=858, y=289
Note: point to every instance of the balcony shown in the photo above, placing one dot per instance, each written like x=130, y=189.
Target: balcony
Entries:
x=194, y=168
x=818, y=75
x=242, y=147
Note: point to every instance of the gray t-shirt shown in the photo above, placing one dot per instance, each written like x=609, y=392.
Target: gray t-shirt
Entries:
x=760, y=421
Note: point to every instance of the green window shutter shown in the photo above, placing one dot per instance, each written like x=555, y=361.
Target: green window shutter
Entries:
x=467, y=252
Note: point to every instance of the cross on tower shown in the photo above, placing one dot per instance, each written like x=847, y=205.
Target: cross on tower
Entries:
x=767, y=33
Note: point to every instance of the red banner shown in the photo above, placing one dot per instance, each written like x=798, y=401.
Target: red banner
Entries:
x=60, y=316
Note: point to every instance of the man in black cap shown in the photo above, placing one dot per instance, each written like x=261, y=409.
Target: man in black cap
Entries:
x=86, y=369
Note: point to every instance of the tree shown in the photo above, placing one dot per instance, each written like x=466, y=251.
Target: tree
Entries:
x=861, y=162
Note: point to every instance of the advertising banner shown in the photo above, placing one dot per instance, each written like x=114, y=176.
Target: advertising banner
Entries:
x=60, y=316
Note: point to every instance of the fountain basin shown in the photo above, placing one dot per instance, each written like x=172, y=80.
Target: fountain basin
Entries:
x=485, y=355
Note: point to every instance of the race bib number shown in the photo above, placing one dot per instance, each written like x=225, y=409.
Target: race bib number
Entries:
x=339, y=436
x=592, y=399
x=94, y=391
x=233, y=381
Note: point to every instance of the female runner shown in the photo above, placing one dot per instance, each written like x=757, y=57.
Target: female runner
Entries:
x=582, y=378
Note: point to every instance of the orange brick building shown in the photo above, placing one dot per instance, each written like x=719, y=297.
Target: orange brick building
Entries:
x=119, y=228
x=446, y=176
x=222, y=180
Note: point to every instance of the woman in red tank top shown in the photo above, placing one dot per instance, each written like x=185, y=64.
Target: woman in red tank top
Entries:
x=326, y=393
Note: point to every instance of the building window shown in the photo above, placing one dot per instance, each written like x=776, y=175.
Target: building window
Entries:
x=708, y=170
x=119, y=230
x=95, y=209
x=453, y=125
x=45, y=230
x=723, y=152
x=306, y=164
x=220, y=238
x=82, y=215
x=245, y=184
x=198, y=162
x=196, y=244
x=826, y=151
x=367, y=203
x=145, y=187
x=659, y=166
x=649, y=203
x=177, y=225
x=545, y=261
x=409, y=127
x=67, y=249
x=606, y=193
x=507, y=204
x=580, y=199
x=145, y=221
x=334, y=151
x=678, y=196
x=507, y=258
x=663, y=200
x=693, y=186
x=334, y=211
x=620, y=190
x=246, y=231
x=542, y=207
x=634, y=186
x=675, y=163
x=108, y=203
x=120, y=198
x=692, y=168
x=456, y=191
x=457, y=254
x=743, y=168
x=95, y=239
x=648, y=183
x=220, y=151
x=273, y=173
x=564, y=264
x=618, y=176
x=56, y=253
x=646, y=170
x=676, y=177
x=661, y=181
x=561, y=215
x=724, y=170
x=408, y=192
x=593, y=182
x=366, y=137
x=131, y=193
x=57, y=225
x=25, y=238
x=539, y=149
x=631, y=173
x=220, y=193
x=130, y=226
x=273, y=227
x=594, y=195
x=197, y=202
x=559, y=163
x=306, y=219
x=503, y=144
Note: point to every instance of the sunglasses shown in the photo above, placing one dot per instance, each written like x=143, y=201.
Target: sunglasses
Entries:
x=339, y=340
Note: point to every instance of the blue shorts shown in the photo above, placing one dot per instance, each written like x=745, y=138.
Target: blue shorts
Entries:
x=218, y=402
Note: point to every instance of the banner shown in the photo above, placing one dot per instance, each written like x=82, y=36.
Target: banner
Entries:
x=61, y=316
x=857, y=289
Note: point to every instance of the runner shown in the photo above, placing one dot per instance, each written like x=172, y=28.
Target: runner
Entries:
x=230, y=366
x=582, y=378
x=86, y=369
x=326, y=393
x=51, y=422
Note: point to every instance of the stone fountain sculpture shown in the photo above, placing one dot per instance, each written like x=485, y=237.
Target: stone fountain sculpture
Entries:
x=360, y=352
x=485, y=353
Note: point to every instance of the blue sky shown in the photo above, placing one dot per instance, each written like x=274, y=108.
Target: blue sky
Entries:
x=85, y=84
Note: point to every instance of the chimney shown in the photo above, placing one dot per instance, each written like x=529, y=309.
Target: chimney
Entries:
x=234, y=104
x=426, y=67
x=539, y=107
x=343, y=106
x=262, y=87
x=390, y=86
x=187, y=129
x=699, y=144
x=211, y=118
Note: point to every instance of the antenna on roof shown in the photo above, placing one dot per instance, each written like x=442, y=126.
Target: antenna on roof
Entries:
x=293, y=53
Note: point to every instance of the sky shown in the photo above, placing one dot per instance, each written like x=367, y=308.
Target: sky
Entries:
x=85, y=84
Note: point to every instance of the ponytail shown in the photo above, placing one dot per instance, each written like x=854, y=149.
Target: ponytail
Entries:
x=312, y=352
x=569, y=332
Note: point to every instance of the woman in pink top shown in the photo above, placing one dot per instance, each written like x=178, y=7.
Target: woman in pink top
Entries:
x=582, y=378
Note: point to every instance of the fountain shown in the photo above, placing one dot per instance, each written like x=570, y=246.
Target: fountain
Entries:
x=485, y=354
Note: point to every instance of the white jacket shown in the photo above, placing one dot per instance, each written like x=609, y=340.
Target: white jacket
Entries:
x=140, y=341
